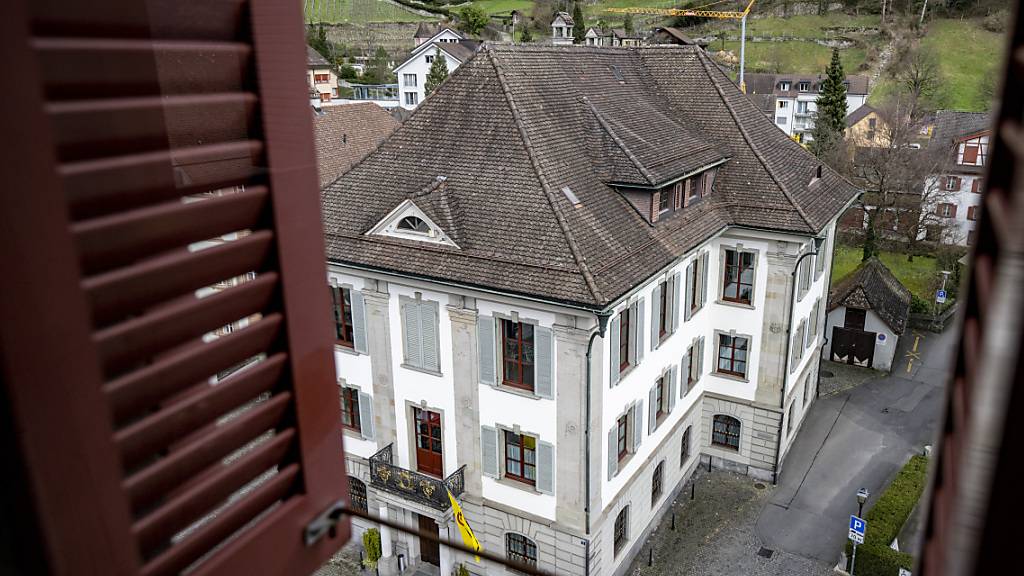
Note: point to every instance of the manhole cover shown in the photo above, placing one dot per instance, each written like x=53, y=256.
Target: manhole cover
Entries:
x=759, y=486
x=765, y=552
x=827, y=374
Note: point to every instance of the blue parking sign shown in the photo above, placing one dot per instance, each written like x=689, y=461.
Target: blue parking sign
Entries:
x=857, y=528
x=940, y=296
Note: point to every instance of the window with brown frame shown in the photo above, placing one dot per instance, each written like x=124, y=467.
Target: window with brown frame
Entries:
x=657, y=482
x=664, y=309
x=952, y=183
x=622, y=431
x=321, y=78
x=661, y=397
x=971, y=154
x=664, y=201
x=693, y=190
x=738, y=282
x=350, y=409
x=521, y=458
x=972, y=213
x=691, y=361
x=517, y=354
x=341, y=300
x=619, y=534
x=726, y=432
x=519, y=548
x=732, y=355
x=946, y=210
x=624, y=347
x=976, y=185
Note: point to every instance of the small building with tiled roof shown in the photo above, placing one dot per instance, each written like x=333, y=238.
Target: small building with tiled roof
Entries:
x=866, y=128
x=453, y=46
x=345, y=134
x=867, y=313
x=561, y=29
x=320, y=77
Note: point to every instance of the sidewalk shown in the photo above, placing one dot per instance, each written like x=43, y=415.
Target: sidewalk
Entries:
x=715, y=534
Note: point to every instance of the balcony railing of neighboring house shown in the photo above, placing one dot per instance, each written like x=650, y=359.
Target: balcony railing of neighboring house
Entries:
x=428, y=490
x=380, y=92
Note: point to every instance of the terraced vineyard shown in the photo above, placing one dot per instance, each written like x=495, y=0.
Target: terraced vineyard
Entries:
x=359, y=12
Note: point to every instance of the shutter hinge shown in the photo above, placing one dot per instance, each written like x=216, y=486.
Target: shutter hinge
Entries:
x=324, y=523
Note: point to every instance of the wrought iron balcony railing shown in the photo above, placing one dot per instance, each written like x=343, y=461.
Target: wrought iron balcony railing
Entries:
x=413, y=485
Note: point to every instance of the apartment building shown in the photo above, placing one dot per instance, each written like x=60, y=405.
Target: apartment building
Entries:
x=557, y=317
x=791, y=99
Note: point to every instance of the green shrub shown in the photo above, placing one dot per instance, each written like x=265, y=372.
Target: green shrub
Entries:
x=461, y=570
x=371, y=542
x=886, y=518
x=919, y=305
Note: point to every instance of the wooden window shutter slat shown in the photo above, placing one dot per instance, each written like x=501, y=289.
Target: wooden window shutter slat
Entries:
x=429, y=330
x=544, y=347
x=413, y=342
x=638, y=424
x=655, y=316
x=489, y=451
x=154, y=126
x=638, y=335
x=366, y=424
x=613, y=351
x=613, y=451
x=545, y=467
x=358, y=322
x=485, y=344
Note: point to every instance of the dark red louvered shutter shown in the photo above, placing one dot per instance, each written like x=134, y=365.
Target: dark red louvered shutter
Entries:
x=160, y=184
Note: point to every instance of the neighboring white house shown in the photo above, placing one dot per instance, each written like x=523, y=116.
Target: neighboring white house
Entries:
x=543, y=304
x=561, y=29
x=611, y=37
x=412, y=74
x=791, y=99
x=323, y=82
x=867, y=313
x=966, y=135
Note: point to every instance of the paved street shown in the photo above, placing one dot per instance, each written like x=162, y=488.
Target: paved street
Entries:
x=853, y=439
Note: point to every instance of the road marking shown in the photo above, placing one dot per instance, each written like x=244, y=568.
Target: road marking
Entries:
x=910, y=363
x=917, y=340
x=913, y=354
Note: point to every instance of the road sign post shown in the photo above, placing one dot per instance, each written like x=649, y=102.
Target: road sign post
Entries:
x=857, y=528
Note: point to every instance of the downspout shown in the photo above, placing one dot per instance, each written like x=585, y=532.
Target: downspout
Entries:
x=602, y=327
x=791, y=292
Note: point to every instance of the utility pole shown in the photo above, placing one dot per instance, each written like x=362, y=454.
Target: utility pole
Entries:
x=743, y=52
x=923, y=8
x=883, y=11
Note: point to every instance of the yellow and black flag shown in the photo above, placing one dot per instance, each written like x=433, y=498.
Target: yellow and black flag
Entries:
x=468, y=538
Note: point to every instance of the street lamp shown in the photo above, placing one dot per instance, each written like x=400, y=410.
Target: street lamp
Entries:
x=862, y=497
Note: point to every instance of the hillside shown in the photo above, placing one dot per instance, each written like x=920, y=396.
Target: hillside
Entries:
x=360, y=12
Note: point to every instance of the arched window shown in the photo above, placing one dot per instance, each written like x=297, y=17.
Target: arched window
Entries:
x=621, y=529
x=357, y=492
x=519, y=548
x=414, y=224
x=726, y=432
x=657, y=482
x=684, y=450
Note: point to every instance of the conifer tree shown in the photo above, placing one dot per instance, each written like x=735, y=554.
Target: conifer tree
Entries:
x=438, y=71
x=830, y=120
x=579, y=29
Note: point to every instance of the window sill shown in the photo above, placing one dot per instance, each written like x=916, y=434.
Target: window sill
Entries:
x=505, y=481
x=351, y=433
x=518, y=391
x=346, y=350
x=423, y=370
x=735, y=304
x=725, y=447
x=624, y=373
x=731, y=377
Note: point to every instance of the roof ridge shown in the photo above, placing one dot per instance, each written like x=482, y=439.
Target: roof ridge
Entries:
x=559, y=217
x=618, y=141
x=750, y=142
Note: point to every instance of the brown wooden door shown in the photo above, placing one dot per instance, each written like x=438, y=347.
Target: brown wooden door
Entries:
x=429, y=451
x=854, y=347
x=430, y=552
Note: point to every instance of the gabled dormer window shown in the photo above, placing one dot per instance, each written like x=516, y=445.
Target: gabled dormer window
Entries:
x=407, y=221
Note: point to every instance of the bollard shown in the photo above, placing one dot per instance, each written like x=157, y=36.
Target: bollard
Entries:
x=673, y=521
x=650, y=556
x=692, y=488
x=709, y=463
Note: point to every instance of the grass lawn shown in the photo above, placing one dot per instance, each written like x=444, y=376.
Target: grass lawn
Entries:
x=793, y=57
x=966, y=53
x=359, y=12
x=504, y=6
x=918, y=276
x=810, y=27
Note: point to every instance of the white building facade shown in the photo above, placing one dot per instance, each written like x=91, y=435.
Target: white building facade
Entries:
x=412, y=74
x=795, y=99
x=560, y=348
x=959, y=202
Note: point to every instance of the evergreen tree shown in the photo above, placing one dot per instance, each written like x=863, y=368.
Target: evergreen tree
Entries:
x=579, y=29
x=526, y=36
x=627, y=24
x=830, y=120
x=438, y=71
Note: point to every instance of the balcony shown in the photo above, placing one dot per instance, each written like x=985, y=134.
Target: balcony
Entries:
x=427, y=490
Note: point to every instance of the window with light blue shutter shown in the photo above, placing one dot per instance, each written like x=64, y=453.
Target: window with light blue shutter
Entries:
x=691, y=294
x=672, y=383
x=677, y=288
x=412, y=353
x=613, y=352
x=545, y=467
x=489, y=451
x=366, y=415
x=485, y=349
x=543, y=352
x=358, y=322
x=641, y=319
x=613, y=451
x=700, y=358
x=428, y=336
x=638, y=424
x=655, y=316
x=703, y=293
x=652, y=407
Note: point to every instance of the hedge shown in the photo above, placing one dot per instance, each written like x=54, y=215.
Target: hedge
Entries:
x=886, y=518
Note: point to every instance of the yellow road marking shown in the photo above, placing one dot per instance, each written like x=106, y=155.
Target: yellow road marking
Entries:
x=917, y=340
x=910, y=363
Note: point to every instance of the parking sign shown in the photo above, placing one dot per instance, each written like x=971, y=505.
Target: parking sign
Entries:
x=940, y=296
x=857, y=528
